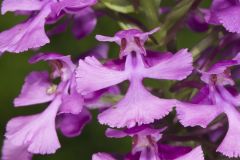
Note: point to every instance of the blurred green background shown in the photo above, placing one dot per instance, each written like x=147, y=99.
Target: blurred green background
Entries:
x=14, y=68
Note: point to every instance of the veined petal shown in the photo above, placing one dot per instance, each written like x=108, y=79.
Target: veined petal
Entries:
x=176, y=67
x=91, y=76
x=196, y=154
x=35, y=90
x=37, y=132
x=21, y=5
x=27, y=35
x=71, y=125
x=195, y=114
x=230, y=18
x=12, y=152
x=137, y=107
x=230, y=145
x=102, y=156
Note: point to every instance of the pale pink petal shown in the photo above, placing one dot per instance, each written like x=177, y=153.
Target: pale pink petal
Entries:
x=102, y=156
x=176, y=67
x=230, y=145
x=37, y=132
x=136, y=108
x=195, y=154
x=91, y=76
x=21, y=5
x=35, y=90
x=27, y=35
x=12, y=152
x=195, y=114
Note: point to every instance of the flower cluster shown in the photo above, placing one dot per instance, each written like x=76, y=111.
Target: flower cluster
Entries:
x=204, y=101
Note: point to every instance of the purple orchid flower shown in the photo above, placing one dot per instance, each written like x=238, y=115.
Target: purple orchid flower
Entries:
x=36, y=134
x=212, y=100
x=31, y=33
x=226, y=13
x=139, y=106
x=146, y=146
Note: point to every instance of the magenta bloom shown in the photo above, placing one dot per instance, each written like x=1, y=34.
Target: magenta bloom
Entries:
x=31, y=33
x=226, y=13
x=211, y=101
x=36, y=134
x=146, y=146
x=138, y=106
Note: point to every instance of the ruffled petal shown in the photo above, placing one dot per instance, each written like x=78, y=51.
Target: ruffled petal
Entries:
x=91, y=76
x=71, y=125
x=102, y=156
x=211, y=15
x=230, y=18
x=12, y=152
x=24, y=36
x=176, y=67
x=37, y=132
x=230, y=145
x=84, y=23
x=21, y=5
x=35, y=90
x=196, y=154
x=137, y=107
x=195, y=114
